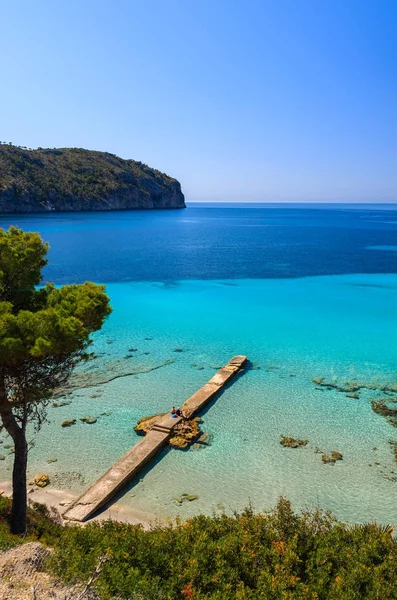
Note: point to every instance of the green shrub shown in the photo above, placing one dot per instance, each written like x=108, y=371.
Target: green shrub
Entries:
x=279, y=555
x=274, y=556
x=41, y=527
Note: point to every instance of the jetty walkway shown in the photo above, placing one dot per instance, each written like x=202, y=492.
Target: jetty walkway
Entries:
x=129, y=465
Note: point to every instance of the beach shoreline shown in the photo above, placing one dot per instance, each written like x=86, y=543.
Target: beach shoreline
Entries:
x=61, y=500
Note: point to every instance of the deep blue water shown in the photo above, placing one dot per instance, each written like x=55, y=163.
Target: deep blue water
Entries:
x=214, y=242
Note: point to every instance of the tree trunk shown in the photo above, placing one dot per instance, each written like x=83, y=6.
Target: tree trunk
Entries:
x=18, y=434
x=19, y=492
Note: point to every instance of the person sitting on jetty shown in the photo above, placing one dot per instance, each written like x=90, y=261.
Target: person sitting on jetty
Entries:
x=173, y=412
x=178, y=412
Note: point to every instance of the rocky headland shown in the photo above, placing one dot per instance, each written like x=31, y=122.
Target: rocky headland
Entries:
x=74, y=179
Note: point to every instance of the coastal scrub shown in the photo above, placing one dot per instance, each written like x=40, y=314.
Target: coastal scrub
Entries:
x=278, y=555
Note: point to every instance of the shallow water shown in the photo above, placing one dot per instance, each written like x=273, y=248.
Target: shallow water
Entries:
x=291, y=328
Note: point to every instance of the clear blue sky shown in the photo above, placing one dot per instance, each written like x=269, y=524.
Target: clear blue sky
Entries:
x=254, y=100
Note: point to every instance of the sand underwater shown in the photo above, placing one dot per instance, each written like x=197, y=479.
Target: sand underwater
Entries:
x=340, y=327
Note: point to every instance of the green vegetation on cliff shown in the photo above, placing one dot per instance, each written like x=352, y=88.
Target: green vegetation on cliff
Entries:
x=74, y=179
x=274, y=556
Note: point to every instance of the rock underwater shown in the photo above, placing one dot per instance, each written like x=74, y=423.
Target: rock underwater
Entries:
x=41, y=480
x=290, y=442
x=352, y=387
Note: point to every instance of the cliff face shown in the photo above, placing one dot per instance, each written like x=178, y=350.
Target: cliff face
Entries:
x=74, y=179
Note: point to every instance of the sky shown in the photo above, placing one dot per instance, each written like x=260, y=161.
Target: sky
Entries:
x=254, y=100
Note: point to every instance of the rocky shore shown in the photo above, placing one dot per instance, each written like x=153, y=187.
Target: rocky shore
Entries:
x=186, y=433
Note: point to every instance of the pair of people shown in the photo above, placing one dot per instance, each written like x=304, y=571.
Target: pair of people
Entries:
x=176, y=412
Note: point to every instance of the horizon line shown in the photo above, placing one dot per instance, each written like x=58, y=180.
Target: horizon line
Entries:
x=306, y=202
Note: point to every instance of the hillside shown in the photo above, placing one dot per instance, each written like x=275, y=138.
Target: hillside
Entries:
x=279, y=555
x=74, y=179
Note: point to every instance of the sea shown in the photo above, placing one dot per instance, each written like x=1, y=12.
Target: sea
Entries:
x=304, y=291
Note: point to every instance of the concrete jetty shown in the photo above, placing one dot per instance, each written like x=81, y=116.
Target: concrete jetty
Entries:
x=129, y=465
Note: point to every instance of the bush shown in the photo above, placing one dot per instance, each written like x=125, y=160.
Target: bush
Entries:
x=274, y=556
x=279, y=555
x=41, y=526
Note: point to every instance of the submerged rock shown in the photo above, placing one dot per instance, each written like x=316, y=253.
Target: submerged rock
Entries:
x=380, y=406
x=110, y=371
x=88, y=420
x=290, y=442
x=351, y=387
x=61, y=392
x=194, y=447
x=394, y=446
x=190, y=497
x=61, y=403
x=204, y=439
x=68, y=423
x=335, y=455
x=254, y=367
x=41, y=480
x=186, y=498
x=52, y=460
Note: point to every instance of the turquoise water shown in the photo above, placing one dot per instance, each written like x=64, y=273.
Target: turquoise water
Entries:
x=292, y=329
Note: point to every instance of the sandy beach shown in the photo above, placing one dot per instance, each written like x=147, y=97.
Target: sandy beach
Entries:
x=60, y=500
